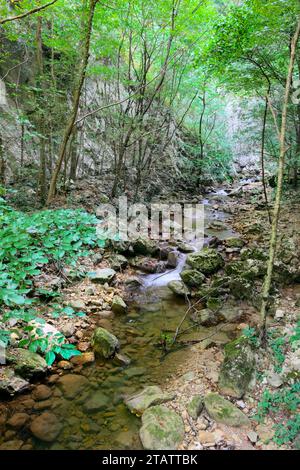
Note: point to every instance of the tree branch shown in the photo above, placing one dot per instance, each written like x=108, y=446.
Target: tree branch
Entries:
x=27, y=13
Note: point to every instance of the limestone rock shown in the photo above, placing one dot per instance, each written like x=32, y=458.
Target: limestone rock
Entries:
x=26, y=363
x=104, y=343
x=162, y=429
x=118, y=305
x=150, y=396
x=223, y=411
x=97, y=402
x=192, y=277
x=102, y=276
x=208, y=261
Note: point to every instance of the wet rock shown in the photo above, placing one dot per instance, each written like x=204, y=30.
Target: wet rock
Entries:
x=217, y=225
x=102, y=276
x=18, y=420
x=231, y=313
x=26, y=363
x=178, y=288
x=46, y=427
x=192, y=277
x=42, y=392
x=118, y=262
x=83, y=359
x=146, y=265
x=10, y=383
x=172, y=260
x=185, y=248
x=237, y=368
x=72, y=385
x=16, y=444
x=97, y=402
x=195, y=406
x=145, y=246
x=104, y=343
x=207, y=261
x=150, y=396
x=133, y=282
x=118, y=305
x=121, y=360
x=241, y=289
x=162, y=429
x=223, y=411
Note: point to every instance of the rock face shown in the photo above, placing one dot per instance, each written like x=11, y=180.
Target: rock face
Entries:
x=150, y=396
x=207, y=261
x=237, y=368
x=102, y=276
x=117, y=262
x=97, y=402
x=223, y=411
x=192, y=277
x=195, y=406
x=46, y=427
x=162, y=429
x=10, y=383
x=104, y=343
x=118, y=305
x=72, y=385
x=26, y=363
x=179, y=288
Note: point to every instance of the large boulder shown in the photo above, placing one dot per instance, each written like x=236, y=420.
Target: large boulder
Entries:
x=223, y=411
x=10, y=383
x=144, y=264
x=162, y=429
x=150, y=396
x=145, y=247
x=237, y=368
x=104, y=343
x=102, y=276
x=207, y=261
x=46, y=427
x=118, y=305
x=179, y=288
x=192, y=277
x=26, y=363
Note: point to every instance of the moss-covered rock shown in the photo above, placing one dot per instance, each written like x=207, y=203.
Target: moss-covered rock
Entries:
x=118, y=305
x=26, y=363
x=150, y=396
x=10, y=383
x=145, y=246
x=162, y=429
x=179, y=288
x=223, y=411
x=104, y=343
x=195, y=406
x=117, y=262
x=192, y=277
x=206, y=317
x=207, y=261
x=234, y=242
x=237, y=368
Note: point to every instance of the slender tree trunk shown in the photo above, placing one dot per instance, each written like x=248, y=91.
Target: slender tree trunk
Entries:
x=277, y=205
x=263, y=142
x=77, y=94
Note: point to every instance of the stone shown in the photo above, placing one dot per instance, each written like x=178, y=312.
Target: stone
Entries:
x=10, y=383
x=179, y=288
x=279, y=314
x=206, y=437
x=18, y=420
x=46, y=427
x=117, y=262
x=252, y=436
x=265, y=433
x=102, y=276
x=195, y=406
x=72, y=385
x=145, y=246
x=185, y=248
x=121, y=360
x=205, y=317
x=65, y=365
x=230, y=313
x=274, y=379
x=83, y=359
x=234, y=242
x=97, y=402
x=133, y=282
x=16, y=444
x=118, y=305
x=237, y=368
x=223, y=411
x=77, y=304
x=172, y=260
x=146, y=265
x=42, y=392
x=104, y=343
x=68, y=330
x=26, y=363
x=150, y=396
x=192, y=277
x=208, y=261
x=162, y=429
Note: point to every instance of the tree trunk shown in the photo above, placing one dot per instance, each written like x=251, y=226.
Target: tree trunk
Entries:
x=77, y=94
x=277, y=206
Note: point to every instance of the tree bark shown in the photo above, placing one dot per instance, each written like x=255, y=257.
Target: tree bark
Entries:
x=277, y=205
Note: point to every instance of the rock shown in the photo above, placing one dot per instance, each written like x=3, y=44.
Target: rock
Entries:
x=179, y=288
x=162, y=429
x=237, y=368
x=279, y=314
x=104, y=343
x=121, y=360
x=223, y=411
x=206, y=437
x=172, y=260
x=145, y=246
x=296, y=443
x=118, y=305
x=231, y=313
x=150, y=396
x=72, y=385
x=26, y=363
x=146, y=265
x=77, y=304
x=16, y=444
x=10, y=383
x=102, y=276
x=42, y=392
x=68, y=330
x=133, y=282
x=214, y=304
x=97, y=402
x=46, y=427
x=65, y=365
x=234, y=242
x=252, y=436
x=184, y=248
x=83, y=359
x=205, y=317
x=274, y=379
x=208, y=261
x=195, y=406
x=117, y=262
x=18, y=420
x=192, y=277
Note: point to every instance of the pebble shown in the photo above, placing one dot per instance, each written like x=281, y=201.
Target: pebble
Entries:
x=18, y=420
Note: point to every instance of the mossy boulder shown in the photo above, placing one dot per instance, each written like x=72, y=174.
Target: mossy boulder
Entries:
x=179, y=288
x=208, y=261
x=118, y=305
x=145, y=247
x=234, y=242
x=195, y=406
x=192, y=277
x=26, y=363
x=223, y=411
x=162, y=429
x=237, y=368
x=104, y=343
x=241, y=288
x=10, y=383
x=150, y=396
